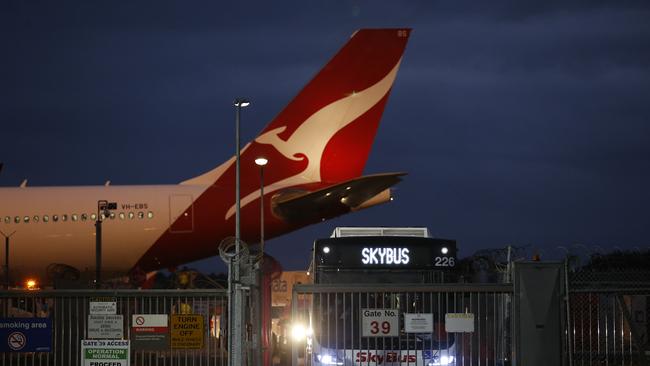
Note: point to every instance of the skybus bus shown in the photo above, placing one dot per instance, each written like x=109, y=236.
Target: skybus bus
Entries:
x=375, y=315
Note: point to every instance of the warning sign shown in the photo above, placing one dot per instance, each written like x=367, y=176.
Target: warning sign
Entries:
x=149, y=331
x=187, y=331
x=102, y=306
x=25, y=335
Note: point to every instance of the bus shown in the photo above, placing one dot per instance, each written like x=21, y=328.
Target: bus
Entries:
x=370, y=311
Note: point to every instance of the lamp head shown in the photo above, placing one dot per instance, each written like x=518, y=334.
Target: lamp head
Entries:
x=261, y=161
x=241, y=103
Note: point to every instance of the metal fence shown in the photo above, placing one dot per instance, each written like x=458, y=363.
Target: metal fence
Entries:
x=335, y=316
x=69, y=310
x=609, y=318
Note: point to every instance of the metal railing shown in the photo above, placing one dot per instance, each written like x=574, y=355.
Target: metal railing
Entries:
x=335, y=319
x=69, y=310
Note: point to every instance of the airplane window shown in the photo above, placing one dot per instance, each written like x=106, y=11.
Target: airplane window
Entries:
x=35, y=218
x=46, y=218
x=74, y=217
x=84, y=217
x=55, y=218
x=7, y=219
x=64, y=217
x=131, y=215
x=112, y=216
x=140, y=215
x=17, y=219
x=93, y=217
x=122, y=216
x=150, y=215
x=26, y=219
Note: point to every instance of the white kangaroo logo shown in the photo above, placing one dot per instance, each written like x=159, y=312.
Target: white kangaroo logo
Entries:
x=309, y=140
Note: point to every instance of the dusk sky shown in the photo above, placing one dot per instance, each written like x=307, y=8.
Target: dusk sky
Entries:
x=523, y=123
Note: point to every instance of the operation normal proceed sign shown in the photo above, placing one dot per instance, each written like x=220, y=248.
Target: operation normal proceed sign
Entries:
x=105, y=352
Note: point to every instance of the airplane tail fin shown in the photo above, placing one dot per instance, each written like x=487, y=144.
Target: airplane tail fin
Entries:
x=330, y=125
x=325, y=133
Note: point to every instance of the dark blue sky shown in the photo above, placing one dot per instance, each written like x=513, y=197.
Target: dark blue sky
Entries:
x=524, y=123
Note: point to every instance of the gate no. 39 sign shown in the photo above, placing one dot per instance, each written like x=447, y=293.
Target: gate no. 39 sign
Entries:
x=379, y=323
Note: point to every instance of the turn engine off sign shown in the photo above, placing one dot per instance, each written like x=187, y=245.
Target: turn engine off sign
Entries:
x=187, y=331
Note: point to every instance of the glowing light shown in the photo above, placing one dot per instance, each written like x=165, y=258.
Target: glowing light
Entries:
x=31, y=284
x=261, y=161
x=326, y=250
x=299, y=332
x=444, y=250
x=242, y=103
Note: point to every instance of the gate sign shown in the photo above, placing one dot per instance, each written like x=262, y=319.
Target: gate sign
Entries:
x=25, y=335
x=459, y=322
x=105, y=327
x=150, y=331
x=105, y=352
x=379, y=323
x=418, y=323
x=187, y=331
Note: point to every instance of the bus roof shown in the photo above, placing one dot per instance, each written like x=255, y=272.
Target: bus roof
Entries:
x=342, y=232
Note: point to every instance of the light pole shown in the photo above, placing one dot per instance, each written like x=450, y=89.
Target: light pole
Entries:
x=7, y=237
x=261, y=162
x=261, y=350
x=102, y=208
x=236, y=306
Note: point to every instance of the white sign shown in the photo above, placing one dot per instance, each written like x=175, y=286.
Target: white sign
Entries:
x=385, y=256
x=379, y=323
x=459, y=322
x=418, y=323
x=103, y=307
x=105, y=327
x=105, y=352
x=149, y=320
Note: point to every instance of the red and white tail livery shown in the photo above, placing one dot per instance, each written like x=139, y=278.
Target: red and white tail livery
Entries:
x=316, y=147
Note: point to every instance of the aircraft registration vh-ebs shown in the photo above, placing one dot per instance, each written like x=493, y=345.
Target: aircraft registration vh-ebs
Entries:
x=318, y=146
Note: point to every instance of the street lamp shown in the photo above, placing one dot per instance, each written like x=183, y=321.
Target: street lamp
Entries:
x=235, y=317
x=102, y=209
x=261, y=162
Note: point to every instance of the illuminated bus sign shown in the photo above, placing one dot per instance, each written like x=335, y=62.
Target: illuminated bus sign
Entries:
x=385, y=256
x=377, y=252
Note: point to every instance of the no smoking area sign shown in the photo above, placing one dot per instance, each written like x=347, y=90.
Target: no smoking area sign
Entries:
x=16, y=341
x=25, y=335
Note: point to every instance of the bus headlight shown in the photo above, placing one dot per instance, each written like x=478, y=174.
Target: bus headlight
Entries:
x=442, y=361
x=326, y=359
x=299, y=332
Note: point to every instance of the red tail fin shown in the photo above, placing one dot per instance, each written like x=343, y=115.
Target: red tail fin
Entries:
x=326, y=132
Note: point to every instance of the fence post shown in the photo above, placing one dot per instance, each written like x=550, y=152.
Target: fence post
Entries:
x=568, y=309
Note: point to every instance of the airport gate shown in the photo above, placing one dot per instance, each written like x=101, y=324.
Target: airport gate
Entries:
x=144, y=318
x=605, y=323
x=609, y=318
x=402, y=324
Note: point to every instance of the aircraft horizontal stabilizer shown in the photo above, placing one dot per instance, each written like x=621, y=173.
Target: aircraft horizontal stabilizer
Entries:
x=335, y=200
